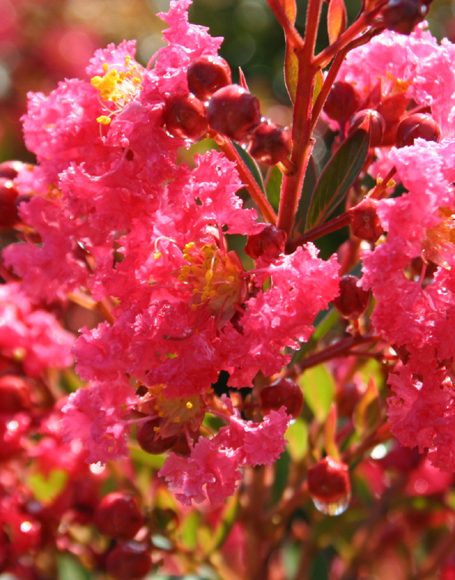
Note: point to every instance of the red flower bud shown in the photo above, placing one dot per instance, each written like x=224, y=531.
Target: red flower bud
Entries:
x=11, y=169
x=12, y=431
x=25, y=535
x=342, y=102
x=417, y=126
x=329, y=486
x=14, y=394
x=352, y=300
x=148, y=437
x=185, y=117
x=233, y=111
x=402, y=15
x=8, y=206
x=118, y=515
x=208, y=74
x=372, y=122
x=268, y=244
x=270, y=144
x=129, y=560
x=365, y=223
x=283, y=393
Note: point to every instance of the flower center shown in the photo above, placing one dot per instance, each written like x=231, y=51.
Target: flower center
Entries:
x=117, y=87
x=215, y=277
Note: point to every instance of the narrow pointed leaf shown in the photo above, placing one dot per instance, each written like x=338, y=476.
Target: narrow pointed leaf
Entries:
x=330, y=433
x=297, y=438
x=309, y=184
x=273, y=187
x=251, y=164
x=337, y=177
x=318, y=82
x=319, y=390
x=336, y=19
x=291, y=71
x=367, y=413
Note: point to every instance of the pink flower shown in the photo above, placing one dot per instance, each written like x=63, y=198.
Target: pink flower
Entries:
x=31, y=336
x=95, y=416
x=301, y=286
x=211, y=472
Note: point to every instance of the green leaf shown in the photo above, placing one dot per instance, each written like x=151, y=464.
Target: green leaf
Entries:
x=46, y=489
x=337, y=177
x=71, y=569
x=311, y=177
x=141, y=457
x=273, y=187
x=281, y=467
x=251, y=164
x=189, y=530
x=319, y=390
x=297, y=438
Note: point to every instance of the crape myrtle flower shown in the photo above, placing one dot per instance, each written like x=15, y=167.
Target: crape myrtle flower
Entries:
x=414, y=308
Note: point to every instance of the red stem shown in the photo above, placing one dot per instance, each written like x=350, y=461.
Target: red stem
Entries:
x=333, y=225
x=333, y=72
x=248, y=180
x=333, y=351
x=301, y=127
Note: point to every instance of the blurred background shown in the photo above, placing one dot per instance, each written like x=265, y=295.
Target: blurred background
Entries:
x=44, y=41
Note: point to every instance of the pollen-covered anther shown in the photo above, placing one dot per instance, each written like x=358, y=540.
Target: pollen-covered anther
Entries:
x=215, y=278
x=117, y=86
x=440, y=239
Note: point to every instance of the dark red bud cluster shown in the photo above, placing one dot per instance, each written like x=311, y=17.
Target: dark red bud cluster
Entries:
x=328, y=481
x=150, y=439
x=364, y=221
x=352, y=299
x=372, y=122
x=283, y=393
x=228, y=109
x=118, y=515
x=129, y=560
x=185, y=116
x=403, y=15
x=417, y=126
x=342, y=102
x=268, y=244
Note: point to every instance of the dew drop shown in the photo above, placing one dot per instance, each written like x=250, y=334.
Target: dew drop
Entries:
x=332, y=508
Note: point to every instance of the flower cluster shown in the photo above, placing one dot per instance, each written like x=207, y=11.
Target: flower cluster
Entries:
x=120, y=220
x=224, y=346
x=411, y=271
